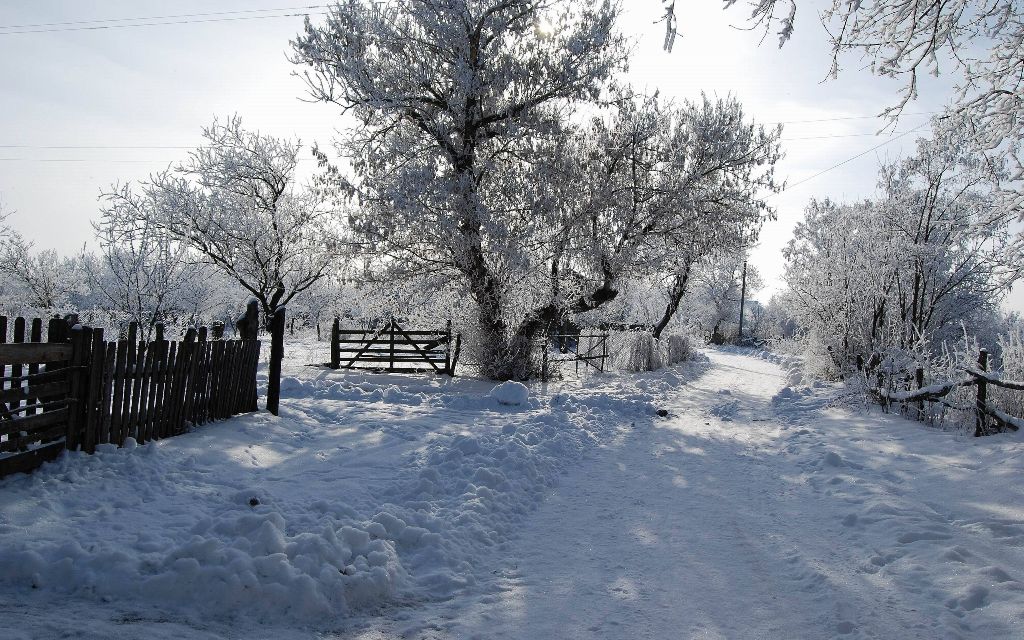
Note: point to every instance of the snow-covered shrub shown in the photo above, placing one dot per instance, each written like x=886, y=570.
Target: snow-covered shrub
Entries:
x=1011, y=362
x=640, y=351
x=678, y=348
x=634, y=351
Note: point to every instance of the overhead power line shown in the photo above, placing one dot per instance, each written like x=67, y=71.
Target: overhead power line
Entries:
x=115, y=160
x=919, y=113
x=92, y=146
x=167, y=17
x=158, y=24
x=851, y=159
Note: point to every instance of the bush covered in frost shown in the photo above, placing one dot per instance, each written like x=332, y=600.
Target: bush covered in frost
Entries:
x=641, y=351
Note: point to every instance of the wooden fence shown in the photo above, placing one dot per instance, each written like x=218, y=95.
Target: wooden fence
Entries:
x=394, y=349
x=36, y=382
x=77, y=390
x=913, y=395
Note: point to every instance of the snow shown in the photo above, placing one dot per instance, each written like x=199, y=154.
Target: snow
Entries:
x=382, y=506
x=511, y=392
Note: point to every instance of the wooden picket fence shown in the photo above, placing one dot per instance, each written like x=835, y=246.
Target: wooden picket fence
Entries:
x=78, y=390
x=394, y=349
x=912, y=395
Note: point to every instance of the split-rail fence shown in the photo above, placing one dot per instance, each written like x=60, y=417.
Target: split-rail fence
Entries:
x=913, y=395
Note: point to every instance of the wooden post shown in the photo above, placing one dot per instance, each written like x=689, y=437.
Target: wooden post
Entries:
x=159, y=332
x=81, y=339
x=391, y=356
x=336, y=344
x=16, y=370
x=276, y=356
x=980, y=427
x=217, y=331
x=120, y=373
x=92, y=394
x=919, y=376
x=455, y=355
x=35, y=335
x=743, y=299
x=448, y=349
x=544, y=359
x=190, y=371
x=3, y=340
x=604, y=352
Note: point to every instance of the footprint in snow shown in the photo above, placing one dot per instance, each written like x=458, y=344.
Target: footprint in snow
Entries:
x=916, y=536
x=975, y=598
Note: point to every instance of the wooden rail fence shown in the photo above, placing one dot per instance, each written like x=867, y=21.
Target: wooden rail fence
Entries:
x=77, y=390
x=394, y=349
x=915, y=395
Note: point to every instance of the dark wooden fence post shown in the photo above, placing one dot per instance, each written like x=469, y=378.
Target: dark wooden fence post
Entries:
x=455, y=354
x=81, y=342
x=544, y=359
x=448, y=350
x=919, y=379
x=980, y=427
x=93, y=392
x=604, y=352
x=16, y=370
x=276, y=356
x=336, y=344
x=391, y=356
x=217, y=331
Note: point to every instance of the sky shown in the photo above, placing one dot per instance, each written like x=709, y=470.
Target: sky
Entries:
x=90, y=98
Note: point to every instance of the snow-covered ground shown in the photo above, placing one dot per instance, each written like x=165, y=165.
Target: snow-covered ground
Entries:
x=426, y=507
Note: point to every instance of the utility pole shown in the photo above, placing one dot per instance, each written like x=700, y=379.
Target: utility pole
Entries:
x=743, y=296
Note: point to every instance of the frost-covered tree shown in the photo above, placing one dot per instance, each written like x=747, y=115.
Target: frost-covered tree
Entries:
x=981, y=41
x=143, y=275
x=712, y=305
x=452, y=97
x=671, y=184
x=235, y=204
x=41, y=281
x=469, y=162
x=935, y=249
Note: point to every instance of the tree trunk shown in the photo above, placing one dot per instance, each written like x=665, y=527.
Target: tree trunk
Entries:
x=675, y=296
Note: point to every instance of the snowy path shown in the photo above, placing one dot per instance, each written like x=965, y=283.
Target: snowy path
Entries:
x=422, y=508
x=716, y=523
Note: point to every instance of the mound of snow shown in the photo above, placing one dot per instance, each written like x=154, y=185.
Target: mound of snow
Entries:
x=511, y=393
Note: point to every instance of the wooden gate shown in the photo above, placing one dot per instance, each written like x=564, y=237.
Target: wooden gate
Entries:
x=77, y=390
x=392, y=348
x=557, y=349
